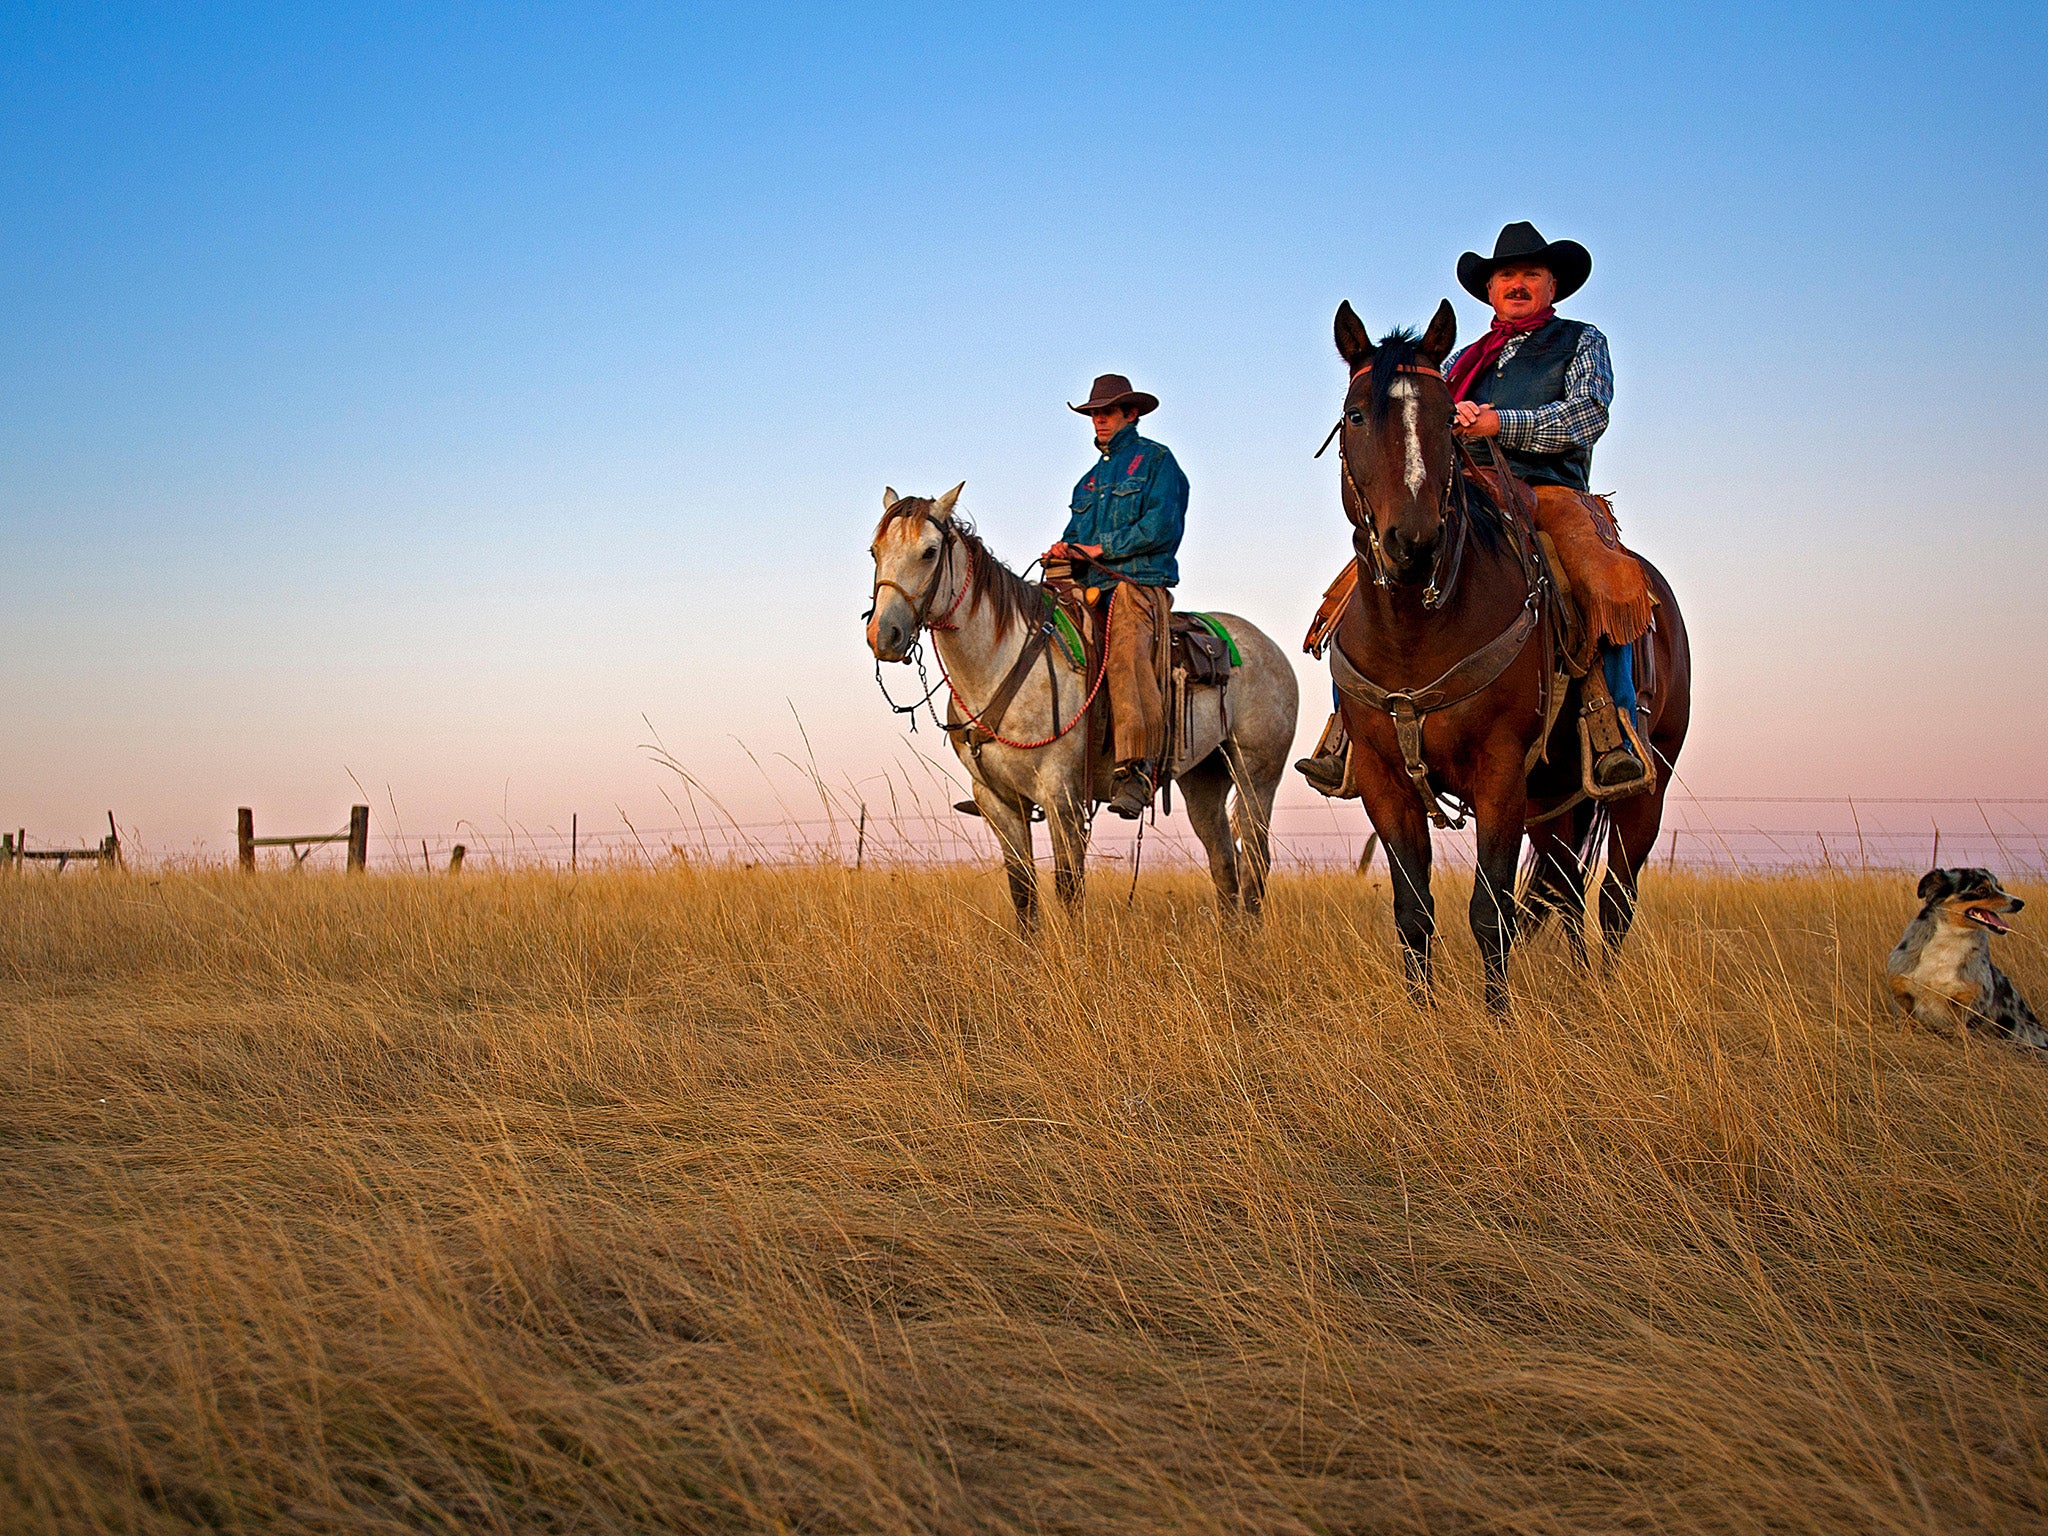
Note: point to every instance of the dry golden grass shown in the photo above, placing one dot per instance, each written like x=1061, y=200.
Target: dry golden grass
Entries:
x=804, y=1200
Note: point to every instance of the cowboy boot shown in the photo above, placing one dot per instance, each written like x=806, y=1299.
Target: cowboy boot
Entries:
x=1618, y=766
x=1327, y=769
x=1131, y=790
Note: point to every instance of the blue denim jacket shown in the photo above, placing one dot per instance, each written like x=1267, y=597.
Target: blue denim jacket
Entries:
x=1134, y=503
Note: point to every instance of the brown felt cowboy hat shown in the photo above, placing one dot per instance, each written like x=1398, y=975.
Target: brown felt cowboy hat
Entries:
x=1521, y=244
x=1113, y=392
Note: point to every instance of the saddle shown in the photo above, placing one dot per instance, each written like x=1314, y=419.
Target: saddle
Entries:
x=1200, y=654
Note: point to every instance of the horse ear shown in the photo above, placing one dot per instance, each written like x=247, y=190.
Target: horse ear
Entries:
x=943, y=507
x=1441, y=336
x=1353, y=344
x=889, y=497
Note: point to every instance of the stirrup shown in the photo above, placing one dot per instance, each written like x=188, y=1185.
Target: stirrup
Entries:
x=1131, y=793
x=1590, y=754
x=1329, y=773
x=1329, y=769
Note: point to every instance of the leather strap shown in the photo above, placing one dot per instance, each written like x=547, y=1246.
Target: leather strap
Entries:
x=991, y=718
x=1409, y=707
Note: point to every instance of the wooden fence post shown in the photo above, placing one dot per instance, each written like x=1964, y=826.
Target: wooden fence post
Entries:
x=455, y=859
x=358, y=838
x=245, y=839
x=7, y=849
x=111, y=849
x=21, y=847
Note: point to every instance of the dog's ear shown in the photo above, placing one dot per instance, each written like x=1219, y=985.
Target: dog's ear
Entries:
x=1935, y=884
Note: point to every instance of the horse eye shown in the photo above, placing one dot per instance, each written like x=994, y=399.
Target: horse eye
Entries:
x=928, y=554
x=1355, y=418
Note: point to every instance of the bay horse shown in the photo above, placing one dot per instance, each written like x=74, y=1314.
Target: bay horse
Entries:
x=933, y=573
x=1445, y=642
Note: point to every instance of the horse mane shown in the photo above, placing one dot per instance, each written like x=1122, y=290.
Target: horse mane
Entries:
x=1014, y=600
x=1395, y=352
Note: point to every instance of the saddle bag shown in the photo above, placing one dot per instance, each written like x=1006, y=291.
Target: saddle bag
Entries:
x=1205, y=657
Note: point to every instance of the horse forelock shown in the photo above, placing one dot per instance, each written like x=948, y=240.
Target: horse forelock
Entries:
x=1395, y=352
x=903, y=507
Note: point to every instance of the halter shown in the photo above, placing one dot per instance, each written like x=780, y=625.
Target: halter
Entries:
x=1450, y=550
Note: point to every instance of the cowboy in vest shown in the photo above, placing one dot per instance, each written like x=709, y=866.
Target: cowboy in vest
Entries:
x=1539, y=386
x=1123, y=532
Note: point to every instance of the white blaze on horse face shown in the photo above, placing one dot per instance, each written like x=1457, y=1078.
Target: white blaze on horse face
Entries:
x=1405, y=391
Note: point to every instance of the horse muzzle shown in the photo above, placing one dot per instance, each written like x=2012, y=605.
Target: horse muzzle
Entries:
x=890, y=633
x=1406, y=557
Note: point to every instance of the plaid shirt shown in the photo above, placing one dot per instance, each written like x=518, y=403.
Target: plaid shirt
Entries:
x=1578, y=419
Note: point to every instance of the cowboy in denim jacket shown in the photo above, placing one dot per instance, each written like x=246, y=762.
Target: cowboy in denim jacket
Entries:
x=1124, y=530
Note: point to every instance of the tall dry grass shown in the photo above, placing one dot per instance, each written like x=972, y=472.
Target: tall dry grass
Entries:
x=806, y=1200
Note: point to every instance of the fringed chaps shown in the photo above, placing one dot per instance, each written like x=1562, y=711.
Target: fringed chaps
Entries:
x=1607, y=581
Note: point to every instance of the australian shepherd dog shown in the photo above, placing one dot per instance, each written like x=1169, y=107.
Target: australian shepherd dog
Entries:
x=1941, y=973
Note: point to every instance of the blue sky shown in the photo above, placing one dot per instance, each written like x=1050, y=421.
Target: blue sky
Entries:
x=425, y=394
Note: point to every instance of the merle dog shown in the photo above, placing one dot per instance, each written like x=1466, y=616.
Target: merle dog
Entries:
x=1941, y=972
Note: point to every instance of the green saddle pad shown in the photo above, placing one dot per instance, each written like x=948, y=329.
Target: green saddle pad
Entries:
x=1071, y=637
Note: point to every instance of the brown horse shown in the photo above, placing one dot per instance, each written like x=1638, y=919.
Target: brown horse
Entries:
x=1444, y=642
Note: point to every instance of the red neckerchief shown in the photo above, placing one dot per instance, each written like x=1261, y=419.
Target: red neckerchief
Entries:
x=1481, y=353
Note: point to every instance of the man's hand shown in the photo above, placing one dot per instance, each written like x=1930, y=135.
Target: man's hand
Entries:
x=1070, y=552
x=1476, y=420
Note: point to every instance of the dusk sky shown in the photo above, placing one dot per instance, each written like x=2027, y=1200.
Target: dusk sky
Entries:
x=419, y=396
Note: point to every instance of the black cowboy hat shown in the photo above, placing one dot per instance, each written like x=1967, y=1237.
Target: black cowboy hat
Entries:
x=1112, y=392
x=1523, y=244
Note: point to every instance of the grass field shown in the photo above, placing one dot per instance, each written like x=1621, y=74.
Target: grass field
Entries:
x=801, y=1200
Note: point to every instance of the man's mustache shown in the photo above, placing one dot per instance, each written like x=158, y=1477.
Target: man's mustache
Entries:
x=1519, y=293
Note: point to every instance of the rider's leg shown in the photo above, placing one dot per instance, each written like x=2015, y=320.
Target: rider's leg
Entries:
x=1619, y=662
x=1327, y=768
x=1613, y=595
x=1610, y=701
x=1137, y=713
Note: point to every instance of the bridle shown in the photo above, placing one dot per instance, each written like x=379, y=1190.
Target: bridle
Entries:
x=1450, y=549
x=921, y=607
x=985, y=725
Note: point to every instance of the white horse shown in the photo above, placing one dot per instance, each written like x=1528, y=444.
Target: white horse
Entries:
x=932, y=572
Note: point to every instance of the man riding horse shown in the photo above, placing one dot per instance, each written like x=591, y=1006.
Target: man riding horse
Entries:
x=1539, y=386
x=1124, y=530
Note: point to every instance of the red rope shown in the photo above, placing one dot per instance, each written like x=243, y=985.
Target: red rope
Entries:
x=1081, y=714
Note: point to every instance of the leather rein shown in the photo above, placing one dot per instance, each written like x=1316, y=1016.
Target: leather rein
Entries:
x=1478, y=669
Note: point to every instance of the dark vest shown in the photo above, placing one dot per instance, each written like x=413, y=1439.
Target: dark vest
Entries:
x=1534, y=377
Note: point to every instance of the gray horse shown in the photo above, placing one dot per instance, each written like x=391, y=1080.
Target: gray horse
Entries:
x=933, y=572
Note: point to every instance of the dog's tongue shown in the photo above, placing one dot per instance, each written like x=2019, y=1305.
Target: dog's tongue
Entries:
x=1989, y=919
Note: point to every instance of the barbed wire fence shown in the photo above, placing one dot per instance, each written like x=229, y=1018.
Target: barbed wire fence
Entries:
x=900, y=830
